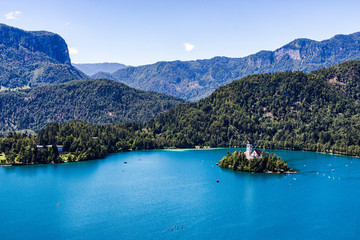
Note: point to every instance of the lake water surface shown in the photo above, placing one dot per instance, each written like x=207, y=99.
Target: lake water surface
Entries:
x=156, y=190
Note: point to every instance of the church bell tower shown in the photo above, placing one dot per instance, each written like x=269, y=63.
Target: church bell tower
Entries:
x=248, y=150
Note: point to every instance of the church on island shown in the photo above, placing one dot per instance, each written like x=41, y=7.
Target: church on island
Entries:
x=250, y=154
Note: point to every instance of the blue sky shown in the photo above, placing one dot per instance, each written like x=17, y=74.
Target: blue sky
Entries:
x=139, y=32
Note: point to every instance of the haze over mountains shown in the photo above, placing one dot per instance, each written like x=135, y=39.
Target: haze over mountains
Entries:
x=29, y=59
x=93, y=68
x=194, y=80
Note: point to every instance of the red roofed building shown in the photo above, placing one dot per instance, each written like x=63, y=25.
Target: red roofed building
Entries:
x=250, y=154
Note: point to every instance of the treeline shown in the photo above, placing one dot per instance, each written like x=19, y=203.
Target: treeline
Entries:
x=80, y=141
x=22, y=149
x=267, y=163
x=292, y=110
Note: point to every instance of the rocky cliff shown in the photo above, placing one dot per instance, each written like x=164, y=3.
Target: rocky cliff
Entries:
x=29, y=59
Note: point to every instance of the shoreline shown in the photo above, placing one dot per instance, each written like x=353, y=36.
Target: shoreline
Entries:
x=14, y=164
x=288, y=172
x=178, y=150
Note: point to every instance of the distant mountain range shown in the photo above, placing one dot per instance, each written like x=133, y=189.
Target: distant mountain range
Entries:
x=93, y=68
x=194, y=80
x=95, y=101
x=30, y=59
x=33, y=58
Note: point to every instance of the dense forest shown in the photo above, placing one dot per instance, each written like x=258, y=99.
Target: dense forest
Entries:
x=80, y=140
x=290, y=110
x=319, y=111
x=96, y=101
x=266, y=163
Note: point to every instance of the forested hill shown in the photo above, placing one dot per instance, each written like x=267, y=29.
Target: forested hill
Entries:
x=318, y=111
x=345, y=76
x=194, y=80
x=293, y=110
x=96, y=101
x=33, y=58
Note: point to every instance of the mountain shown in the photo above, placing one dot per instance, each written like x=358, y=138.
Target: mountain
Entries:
x=96, y=101
x=93, y=68
x=34, y=58
x=194, y=80
x=318, y=111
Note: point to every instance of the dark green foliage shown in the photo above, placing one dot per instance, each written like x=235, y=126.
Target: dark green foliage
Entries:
x=96, y=101
x=85, y=141
x=267, y=163
x=194, y=80
x=80, y=140
x=29, y=59
x=345, y=76
x=19, y=148
x=290, y=110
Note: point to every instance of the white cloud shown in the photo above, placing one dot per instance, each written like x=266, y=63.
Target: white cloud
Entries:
x=73, y=51
x=188, y=47
x=67, y=24
x=13, y=15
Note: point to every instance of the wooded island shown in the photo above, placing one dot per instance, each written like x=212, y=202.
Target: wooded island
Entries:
x=270, y=163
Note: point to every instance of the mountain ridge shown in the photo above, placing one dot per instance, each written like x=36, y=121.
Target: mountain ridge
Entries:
x=93, y=68
x=196, y=79
x=34, y=58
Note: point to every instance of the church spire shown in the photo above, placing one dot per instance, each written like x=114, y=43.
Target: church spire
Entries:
x=248, y=150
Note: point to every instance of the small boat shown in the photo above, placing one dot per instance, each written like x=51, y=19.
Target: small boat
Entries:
x=125, y=162
x=217, y=180
x=216, y=164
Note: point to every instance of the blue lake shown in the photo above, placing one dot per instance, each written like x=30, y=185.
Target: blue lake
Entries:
x=156, y=190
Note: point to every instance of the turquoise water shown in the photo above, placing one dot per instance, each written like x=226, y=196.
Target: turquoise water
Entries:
x=156, y=190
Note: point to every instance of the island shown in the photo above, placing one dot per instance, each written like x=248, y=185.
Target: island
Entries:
x=255, y=161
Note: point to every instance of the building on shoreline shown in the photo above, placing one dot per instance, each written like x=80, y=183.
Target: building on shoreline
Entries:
x=59, y=147
x=250, y=154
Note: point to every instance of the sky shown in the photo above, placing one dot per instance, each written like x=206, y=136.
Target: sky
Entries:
x=140, y=32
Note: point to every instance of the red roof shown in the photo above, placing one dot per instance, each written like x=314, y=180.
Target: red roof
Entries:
x=257, y=152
